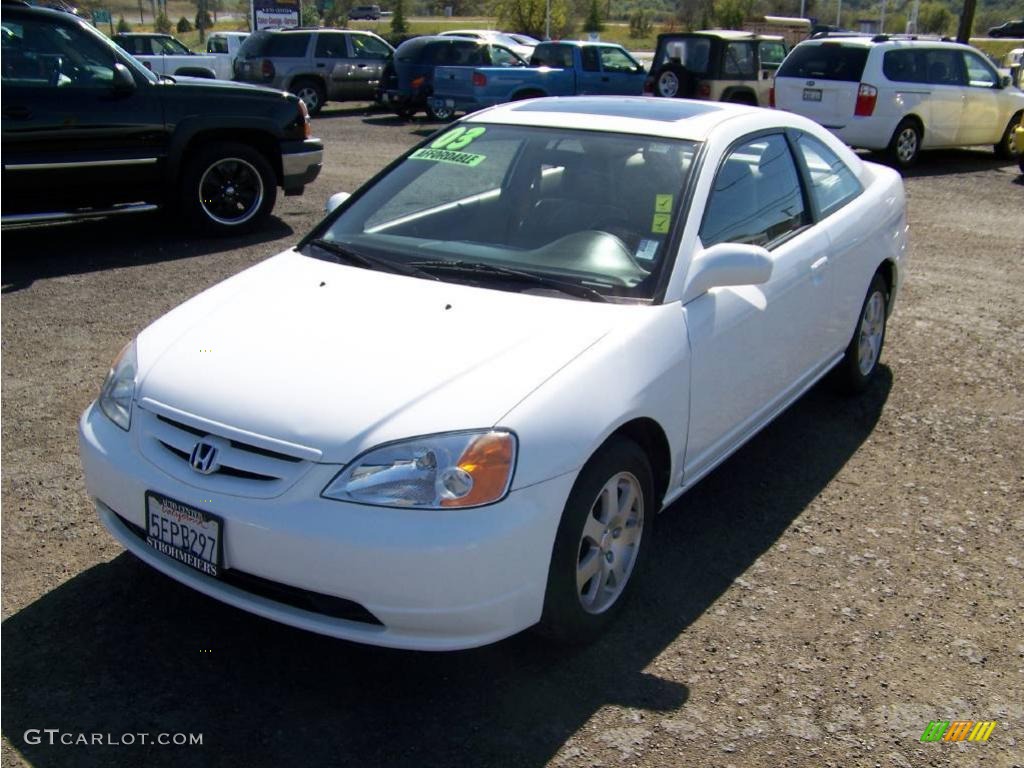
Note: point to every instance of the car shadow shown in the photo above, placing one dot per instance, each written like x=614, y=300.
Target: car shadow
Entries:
x=34, y=253
x=121, y=649
x=349, y=109
x=943, y=162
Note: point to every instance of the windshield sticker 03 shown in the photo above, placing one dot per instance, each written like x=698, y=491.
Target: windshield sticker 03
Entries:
x=448, y=148
x=662, y=214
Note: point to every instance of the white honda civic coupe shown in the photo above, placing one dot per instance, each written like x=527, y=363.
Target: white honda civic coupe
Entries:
x=453, y=410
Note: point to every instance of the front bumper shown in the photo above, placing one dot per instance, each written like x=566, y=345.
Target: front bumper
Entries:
x=439, y=580
x=301, y=162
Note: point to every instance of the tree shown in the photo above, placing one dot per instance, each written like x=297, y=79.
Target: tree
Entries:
x=593, y=22
x=162, y=24
x=639, y=24
x=123, y=26
x=527, y=16
x=934, y=19
x=398, y=24
x=184, y=25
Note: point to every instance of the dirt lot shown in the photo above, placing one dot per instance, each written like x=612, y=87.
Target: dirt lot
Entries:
x=853, y=573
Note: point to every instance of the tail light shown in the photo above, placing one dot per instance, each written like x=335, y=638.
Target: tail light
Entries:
x=418, y=81
x=704, y=90
x=479, y=79
x=649, y=86
x=771, y=96
x=307, y=129
x=267, y=69
x=867, y=95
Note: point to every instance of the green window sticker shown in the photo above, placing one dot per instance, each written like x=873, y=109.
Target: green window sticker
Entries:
x=661, y=222
x=459, y=138
x=663, y=204
x=448, y=156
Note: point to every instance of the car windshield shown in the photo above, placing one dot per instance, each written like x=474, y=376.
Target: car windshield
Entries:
x=592, y=209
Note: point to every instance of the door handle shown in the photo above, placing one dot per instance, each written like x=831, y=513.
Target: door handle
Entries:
x=17, y=113
x=819, y=263
x=604, y=79
x=321, y=65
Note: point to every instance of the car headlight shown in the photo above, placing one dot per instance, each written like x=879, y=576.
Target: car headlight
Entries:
x=458, y=469
x=119, y=388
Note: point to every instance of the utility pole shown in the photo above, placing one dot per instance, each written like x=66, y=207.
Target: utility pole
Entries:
x=881, y=22
x=547, y=22
x=912, y=21
x=966, y=21
x=839, y=13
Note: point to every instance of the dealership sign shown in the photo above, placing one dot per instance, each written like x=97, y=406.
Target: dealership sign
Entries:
x=274, y=14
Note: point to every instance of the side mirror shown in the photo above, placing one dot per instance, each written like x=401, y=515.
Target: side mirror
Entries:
x=335, y=200
x=727, y=264
x=124, y=81
x=1004, y=81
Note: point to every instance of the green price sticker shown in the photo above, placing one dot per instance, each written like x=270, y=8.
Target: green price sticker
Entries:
x=459, y=138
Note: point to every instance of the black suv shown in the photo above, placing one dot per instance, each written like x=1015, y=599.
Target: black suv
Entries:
x=88, y=131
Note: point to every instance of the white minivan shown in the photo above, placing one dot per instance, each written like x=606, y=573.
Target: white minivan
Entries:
x=901, y=95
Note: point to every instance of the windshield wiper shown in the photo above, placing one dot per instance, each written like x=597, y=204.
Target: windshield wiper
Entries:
x=167, y=78
x=478, y=268
x=371, y=262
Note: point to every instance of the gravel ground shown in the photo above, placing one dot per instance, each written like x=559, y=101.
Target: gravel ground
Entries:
x=850, y=575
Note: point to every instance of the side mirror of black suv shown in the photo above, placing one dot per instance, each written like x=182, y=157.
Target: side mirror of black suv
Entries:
x=123, y=81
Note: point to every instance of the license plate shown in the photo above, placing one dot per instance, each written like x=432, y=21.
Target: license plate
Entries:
x=812, y=94
x=189, y=535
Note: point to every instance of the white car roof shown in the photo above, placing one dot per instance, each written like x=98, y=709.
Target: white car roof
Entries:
x=871, y=42
x=649, y=116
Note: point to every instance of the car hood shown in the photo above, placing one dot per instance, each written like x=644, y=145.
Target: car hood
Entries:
x=339, y=359
x=220, y=87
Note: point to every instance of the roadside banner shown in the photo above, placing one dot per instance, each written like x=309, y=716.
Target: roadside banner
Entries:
x=274, y=14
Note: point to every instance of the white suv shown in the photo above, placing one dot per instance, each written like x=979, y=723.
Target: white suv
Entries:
x=901, y=95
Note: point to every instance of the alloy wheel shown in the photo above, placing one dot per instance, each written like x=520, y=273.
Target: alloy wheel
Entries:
x=610, y=542
x=231, y=191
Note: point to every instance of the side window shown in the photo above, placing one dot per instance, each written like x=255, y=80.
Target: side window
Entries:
x=943, y=67
x=331, y=45
x=756, y=197
x=501, y=57
x=614, y=60
x=591, y=62
x=38, y=53
x=772, y=53
x=979, y=73
x=833, y=184
x=217, y=45
x=287, y=46
x=738, y=60
x=366, y=47
x=903, y=66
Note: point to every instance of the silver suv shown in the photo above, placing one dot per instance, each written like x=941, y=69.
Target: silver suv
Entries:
x=317, y=65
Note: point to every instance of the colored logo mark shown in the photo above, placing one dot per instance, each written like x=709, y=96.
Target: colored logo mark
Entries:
x=958, y=730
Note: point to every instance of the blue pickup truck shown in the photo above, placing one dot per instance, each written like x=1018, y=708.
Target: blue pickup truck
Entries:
x=565, y=68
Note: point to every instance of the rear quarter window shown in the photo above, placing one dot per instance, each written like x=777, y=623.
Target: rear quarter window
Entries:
x=287, y=46
x=827, y=61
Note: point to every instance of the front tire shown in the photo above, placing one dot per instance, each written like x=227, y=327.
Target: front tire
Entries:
x=905, y=144
x=1007, y=148
x=860, y=362
x=228, y=188
x=601, y=543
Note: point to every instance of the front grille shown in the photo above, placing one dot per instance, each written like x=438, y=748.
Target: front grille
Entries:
x=303, y=599
x=243, y=467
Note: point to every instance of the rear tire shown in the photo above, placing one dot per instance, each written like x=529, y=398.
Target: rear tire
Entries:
x=444, y=114
x=601, y=543
x=1007, y=148
x=905, y=145
x=860, y=362
x=312, y=94
x=228, y=188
